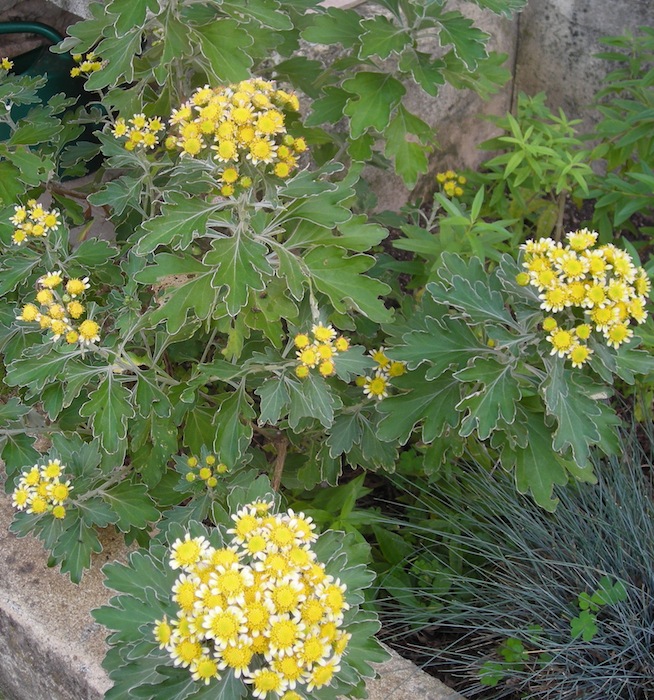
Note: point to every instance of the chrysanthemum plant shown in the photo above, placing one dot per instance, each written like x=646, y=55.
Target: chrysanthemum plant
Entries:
x=258, y=606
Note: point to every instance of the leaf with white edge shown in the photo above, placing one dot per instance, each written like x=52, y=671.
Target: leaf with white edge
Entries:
x=354, y=362
x=432, y=403
x=119, y=194
x=407, y=143
x=74, y=548
x=119, y=54
x=240, y=265
x=538, y=468
x=181, y=220
x=375, y=96
x=335, y=26
x=359, y=234
x=274, y=400
x=311, y=398
x=132, y=505
x=324, y=209
x=224, y=43
x=37, y=367
x=495, y=396
x=426, y=71
x=187, y=288
x=12, y=410
x=329, y=108
x=443, y=343
x=477, y=301
x=109, y=408
x=468, y=42
x=16, y=269
x=291, y=269
x=233, y=427
x=339, y=277
x=345, y=432
x=382, y=38
x=18, y=452
x=92, y=253
x=501, y=7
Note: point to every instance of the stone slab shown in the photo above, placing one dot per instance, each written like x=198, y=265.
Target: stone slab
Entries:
x=50, y=646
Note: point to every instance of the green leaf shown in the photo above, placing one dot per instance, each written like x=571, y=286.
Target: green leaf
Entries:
x=119, y=194
x=443, y=343
x=426, y=71
x=432, y=403
x=92, y=253
x=39, y=366
x=407, y=139
x=266, y=12
x=537, y=466
x=468, y=42
x=16, y=268
x=240, y=265
x=94, y=511
x=233, y=427
x=109, y=407
x=329, y=108
x=74, y=549
x=310, y=398
x=382, y=38
x=181, y=220
x=12, y=410
x=18, y=452
x=274, y=400
x=340, y=278
x=476, y=300
x=335, y=26
x=345, y=432
x=33, y=168
x=119, y=54
x=197, y=295
x=36, y=128
x=496, y=397
x=131, y=503
x=354, y=362
x=577, y=414
x=377, y=94
x=584, y=626
x=224, y=43
x=130, y=13
x=11, y=186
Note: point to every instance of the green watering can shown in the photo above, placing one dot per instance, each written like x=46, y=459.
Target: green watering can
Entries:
x=41, y=61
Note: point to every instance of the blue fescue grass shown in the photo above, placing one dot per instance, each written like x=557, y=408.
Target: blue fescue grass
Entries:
x=517, y=567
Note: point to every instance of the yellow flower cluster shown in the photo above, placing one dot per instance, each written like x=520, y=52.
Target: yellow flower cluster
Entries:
x=33, y=221
x=42, y=489
x=598, y=288
x=451, y=183
x=262, y=606
x=58, y=309
x=319, y=352
x=139, y=131
x=375, y=386
x=206, y=471
x=6, y=64
x=87, y=64
x=242, y=124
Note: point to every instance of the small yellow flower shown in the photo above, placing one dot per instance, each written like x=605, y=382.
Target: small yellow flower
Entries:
x=6, y=64
x=89, y=332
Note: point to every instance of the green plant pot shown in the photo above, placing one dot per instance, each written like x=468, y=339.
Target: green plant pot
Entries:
x=41, y=61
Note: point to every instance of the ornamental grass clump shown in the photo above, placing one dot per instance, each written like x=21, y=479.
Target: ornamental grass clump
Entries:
x=546, y=606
